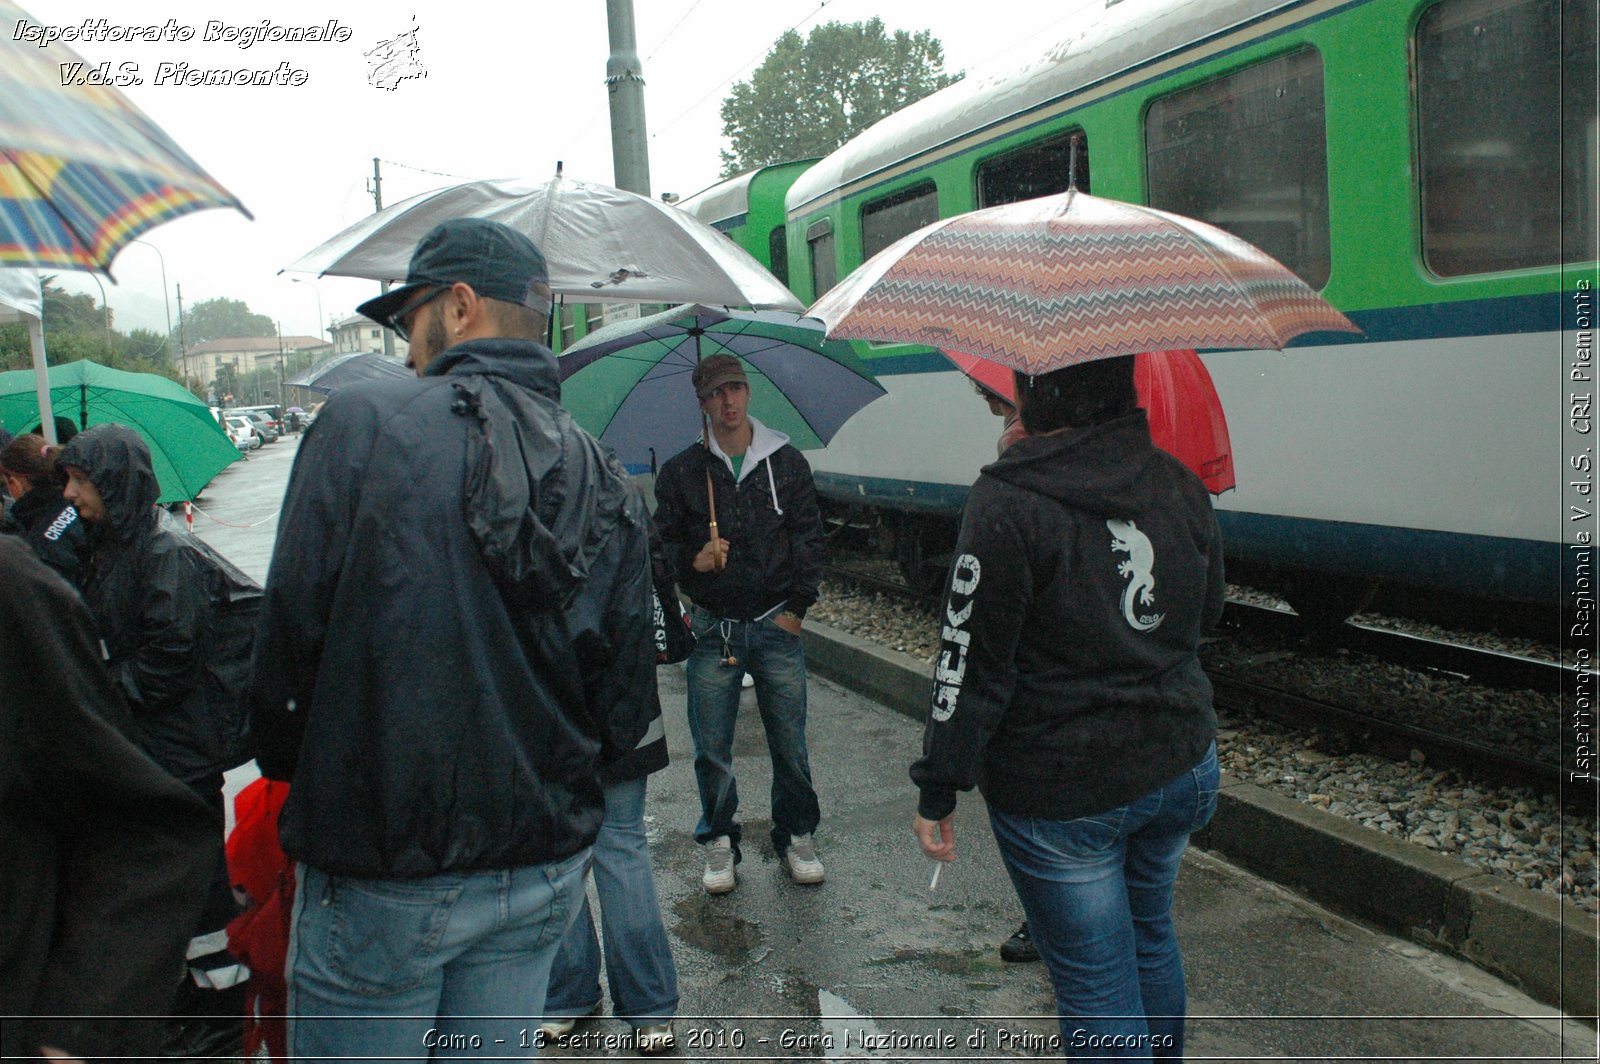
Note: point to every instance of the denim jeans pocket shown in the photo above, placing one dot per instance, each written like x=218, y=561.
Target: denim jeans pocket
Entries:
x=1085, y=836
x=384, y=933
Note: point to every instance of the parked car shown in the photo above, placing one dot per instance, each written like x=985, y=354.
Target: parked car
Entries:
x=260, y=422
x=242, y=433
x=269, y=414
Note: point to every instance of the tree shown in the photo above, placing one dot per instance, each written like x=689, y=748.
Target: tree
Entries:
x=808, y=97
x=216, y=319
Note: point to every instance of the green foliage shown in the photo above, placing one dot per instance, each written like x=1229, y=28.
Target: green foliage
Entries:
x=75, y=328
x=808, y=97
x=217, y=319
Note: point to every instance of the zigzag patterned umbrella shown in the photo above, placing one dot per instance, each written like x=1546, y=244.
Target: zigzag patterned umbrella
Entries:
x=1052, y=282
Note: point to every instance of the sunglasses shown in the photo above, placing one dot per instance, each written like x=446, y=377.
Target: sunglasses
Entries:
x=400, y=320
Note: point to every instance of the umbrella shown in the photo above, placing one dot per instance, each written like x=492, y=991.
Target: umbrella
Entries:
x=629, y=383
x=187, y=444
x=82, y=170
x=1177, y=395
x=1051, y=282
x=342, y=370
x=601, y=243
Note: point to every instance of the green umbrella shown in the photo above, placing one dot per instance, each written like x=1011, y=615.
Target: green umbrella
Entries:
x=629, y=383
x=187, y=444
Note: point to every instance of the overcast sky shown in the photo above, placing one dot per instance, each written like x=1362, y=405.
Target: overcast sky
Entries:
x=509, y=90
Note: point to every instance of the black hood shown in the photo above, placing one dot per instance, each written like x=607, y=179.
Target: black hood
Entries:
x=1108, y=463
x=541, y=496
x=117, y=462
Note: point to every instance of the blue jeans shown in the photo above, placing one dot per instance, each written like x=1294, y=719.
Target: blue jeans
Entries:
x=396, y=969
x=1097, y=891
x=639, y=965
x=775, y=659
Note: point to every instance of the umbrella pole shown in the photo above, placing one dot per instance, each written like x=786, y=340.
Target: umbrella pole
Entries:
x=41, y=376
x=711, y=505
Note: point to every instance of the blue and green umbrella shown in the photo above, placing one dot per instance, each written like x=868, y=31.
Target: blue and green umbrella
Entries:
x=629, y=383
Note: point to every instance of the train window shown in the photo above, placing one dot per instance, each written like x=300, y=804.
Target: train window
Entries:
x=1033, y=171
x=1506, y=133
x=1248, y=153
x=888, y=219
x=594, y=316
x=778, y=254
x=568, y=319
x=824, y=266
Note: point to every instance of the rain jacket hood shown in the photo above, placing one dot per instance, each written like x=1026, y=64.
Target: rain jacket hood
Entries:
x=1109, y=464
x=117, y=462
x=535, y=500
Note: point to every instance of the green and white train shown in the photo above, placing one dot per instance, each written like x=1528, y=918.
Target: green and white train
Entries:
x=1428, y=165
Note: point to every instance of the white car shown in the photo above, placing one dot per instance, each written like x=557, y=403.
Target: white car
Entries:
x=242, y=433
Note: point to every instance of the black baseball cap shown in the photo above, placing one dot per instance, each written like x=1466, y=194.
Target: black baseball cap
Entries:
x=494, y=259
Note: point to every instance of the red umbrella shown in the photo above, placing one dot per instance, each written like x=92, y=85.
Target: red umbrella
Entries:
x=1186, y=418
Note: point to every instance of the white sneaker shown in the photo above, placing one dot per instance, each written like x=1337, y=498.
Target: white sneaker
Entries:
x=801, y=859
x=656, y=1038
x=719, y=877
x=560, y=1028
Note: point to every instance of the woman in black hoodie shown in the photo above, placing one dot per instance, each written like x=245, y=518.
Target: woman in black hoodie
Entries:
x=1068, y=689
x=47, y=522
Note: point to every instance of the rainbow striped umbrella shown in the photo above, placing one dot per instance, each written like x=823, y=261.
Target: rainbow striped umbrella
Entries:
x=1052, y=282
x=82, y=170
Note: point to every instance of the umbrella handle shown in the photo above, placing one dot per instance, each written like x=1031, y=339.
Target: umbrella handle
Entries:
x=711, y=505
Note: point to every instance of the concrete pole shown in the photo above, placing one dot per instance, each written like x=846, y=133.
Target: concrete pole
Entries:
x=630, y=147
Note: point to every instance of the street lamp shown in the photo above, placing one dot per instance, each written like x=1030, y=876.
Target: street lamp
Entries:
x=105, y=309
x=321, y=321
x=172, y=337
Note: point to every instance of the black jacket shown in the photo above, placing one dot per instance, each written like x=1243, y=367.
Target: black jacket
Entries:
x=1067, y=681
x=150, y=594
x=51, y=526
x=458, y=601
x=106, y=855
x=769, y=518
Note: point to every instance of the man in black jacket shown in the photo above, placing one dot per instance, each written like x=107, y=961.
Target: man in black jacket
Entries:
x=752, y=573
x=459, y=596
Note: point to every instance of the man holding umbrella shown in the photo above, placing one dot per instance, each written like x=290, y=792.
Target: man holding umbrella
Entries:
x=458, y=601
x=751, y=578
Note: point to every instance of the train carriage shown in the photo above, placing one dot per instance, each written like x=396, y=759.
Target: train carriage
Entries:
x=1428, y=165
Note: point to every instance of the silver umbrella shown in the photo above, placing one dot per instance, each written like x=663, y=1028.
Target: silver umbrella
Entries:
x=602, y=244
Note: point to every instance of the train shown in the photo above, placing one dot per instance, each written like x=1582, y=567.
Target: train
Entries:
x=1428, y=166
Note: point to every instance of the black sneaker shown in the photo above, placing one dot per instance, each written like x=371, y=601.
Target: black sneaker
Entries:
x=1019, y=947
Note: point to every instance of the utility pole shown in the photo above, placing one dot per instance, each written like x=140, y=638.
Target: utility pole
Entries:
x=383, y=286
x=630, y=147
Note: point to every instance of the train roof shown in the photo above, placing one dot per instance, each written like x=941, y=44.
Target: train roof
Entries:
x=729, y=199
x=1123, y=36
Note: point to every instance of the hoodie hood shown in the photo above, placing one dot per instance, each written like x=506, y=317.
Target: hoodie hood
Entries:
x=1099, y=469
x=763, y=442
x=541, y=495
x=117, y=462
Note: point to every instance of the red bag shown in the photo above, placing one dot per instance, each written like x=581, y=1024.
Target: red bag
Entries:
x=259, y=936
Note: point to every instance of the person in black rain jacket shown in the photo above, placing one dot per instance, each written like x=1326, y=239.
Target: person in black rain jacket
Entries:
x=1068, y=689
x=45, y=521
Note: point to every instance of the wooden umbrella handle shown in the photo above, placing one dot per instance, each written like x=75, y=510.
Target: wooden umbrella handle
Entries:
x=711, y=505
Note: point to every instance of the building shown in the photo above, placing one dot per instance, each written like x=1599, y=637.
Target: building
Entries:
x=356, y=333
x=245, y=354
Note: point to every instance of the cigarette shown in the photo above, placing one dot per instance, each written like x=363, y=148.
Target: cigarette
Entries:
x=937, y=868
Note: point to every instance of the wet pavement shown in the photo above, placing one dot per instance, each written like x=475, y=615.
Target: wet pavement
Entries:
x=874, y=965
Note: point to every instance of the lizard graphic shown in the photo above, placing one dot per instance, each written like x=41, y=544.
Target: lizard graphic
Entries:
x=1140, y=566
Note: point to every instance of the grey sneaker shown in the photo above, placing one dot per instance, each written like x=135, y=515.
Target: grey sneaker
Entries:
x=718, y=877
x=801, y=859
